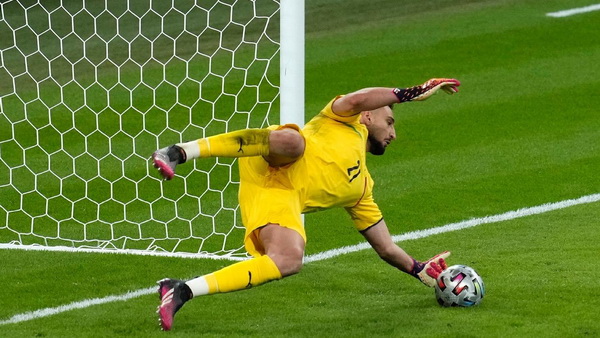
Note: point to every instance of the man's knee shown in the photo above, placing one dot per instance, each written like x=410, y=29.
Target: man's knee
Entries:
x=284, y=246
x=289, y=261
x=286, y=142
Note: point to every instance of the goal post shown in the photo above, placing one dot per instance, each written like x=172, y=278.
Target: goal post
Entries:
x=292, y=62
x=89, y=89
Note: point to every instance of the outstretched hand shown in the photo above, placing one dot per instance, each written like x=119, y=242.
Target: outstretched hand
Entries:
x=424, y=91
x=427, y=272
x=436, y=268
x=430, y=87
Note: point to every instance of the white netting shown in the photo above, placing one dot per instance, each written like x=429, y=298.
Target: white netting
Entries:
x=89, y=89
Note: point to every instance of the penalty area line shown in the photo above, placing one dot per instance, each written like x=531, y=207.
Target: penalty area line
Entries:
x=510, y=215
x=574, y=11
x=540, y=209
x=76, y=305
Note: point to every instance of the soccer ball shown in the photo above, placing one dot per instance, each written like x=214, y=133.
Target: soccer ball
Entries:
x=459, y=285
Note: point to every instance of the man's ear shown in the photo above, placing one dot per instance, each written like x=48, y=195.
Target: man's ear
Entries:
x=366, y=117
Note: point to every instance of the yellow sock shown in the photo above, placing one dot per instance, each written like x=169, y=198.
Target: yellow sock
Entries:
x=237, y=276
x=247, y=142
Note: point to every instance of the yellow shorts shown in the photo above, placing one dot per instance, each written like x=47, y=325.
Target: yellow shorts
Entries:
x=270, y=195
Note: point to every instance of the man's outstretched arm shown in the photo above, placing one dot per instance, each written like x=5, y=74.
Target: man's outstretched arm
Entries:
x=377, y=97
x=380, y=239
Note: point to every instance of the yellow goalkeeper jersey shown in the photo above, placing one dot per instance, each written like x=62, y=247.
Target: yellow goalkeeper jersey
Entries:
x=337, y=174
x=331, y=173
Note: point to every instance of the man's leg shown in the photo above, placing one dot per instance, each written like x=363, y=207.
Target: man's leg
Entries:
x=281, y=249
x=284, y=251
x=284, y=246
x=278, y=147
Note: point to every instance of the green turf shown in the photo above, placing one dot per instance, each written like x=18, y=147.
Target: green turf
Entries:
x=540, y=281
x=524, y=130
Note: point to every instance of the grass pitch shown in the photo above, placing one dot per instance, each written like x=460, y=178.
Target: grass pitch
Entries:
x=524, y=130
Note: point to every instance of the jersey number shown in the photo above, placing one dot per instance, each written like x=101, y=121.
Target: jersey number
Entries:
x=351, y=170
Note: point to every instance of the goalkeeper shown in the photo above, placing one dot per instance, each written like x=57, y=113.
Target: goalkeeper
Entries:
x=286, y=171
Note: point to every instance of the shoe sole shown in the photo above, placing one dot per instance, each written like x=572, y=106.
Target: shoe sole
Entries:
x=163, y=325
x=163, y=168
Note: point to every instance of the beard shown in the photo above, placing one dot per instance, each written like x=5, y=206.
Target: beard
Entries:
x=375, y=147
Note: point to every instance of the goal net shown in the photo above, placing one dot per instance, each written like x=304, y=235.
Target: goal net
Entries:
x=89, y=89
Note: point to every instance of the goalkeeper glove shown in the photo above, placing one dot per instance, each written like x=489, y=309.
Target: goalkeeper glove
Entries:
x=422, y=92
x=428, y=272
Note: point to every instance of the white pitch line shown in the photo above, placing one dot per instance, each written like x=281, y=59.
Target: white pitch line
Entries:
x=573, y=11
x=540, y=209
x=460, y=225
x=76, y=305
x=37, y=247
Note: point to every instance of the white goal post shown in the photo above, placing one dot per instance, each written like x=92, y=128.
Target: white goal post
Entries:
x=89, y=89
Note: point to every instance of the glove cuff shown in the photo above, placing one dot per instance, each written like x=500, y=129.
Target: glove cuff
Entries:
x=416, y=268
x=407, y=94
